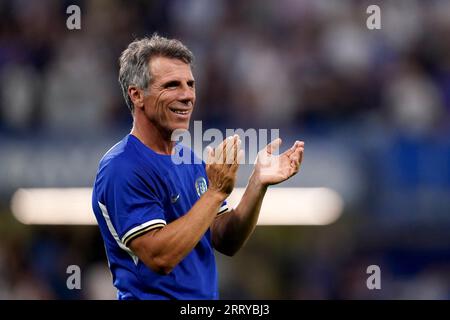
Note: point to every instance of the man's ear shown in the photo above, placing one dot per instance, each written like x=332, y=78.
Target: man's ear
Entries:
x=136, y=96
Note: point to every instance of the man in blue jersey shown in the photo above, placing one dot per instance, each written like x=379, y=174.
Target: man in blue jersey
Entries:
x=161, y=221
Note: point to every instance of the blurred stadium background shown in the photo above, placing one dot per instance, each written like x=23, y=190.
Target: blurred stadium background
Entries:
x=372, y=106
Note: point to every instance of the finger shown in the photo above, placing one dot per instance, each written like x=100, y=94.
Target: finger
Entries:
x=230, y=154
x=240, y=156
x=297, y=144
x=231, y=143
x=297, y=161
x=289, y=151
x=209, y=155
x=219, y=151
x=273, y=146
x=236, y=150
x=302, y=152
x=235, y=166
x=295, y=156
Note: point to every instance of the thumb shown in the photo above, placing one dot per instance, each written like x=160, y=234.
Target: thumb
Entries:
x=273, y=146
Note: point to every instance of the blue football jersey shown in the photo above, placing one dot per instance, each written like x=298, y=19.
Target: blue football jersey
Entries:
x=137, y=190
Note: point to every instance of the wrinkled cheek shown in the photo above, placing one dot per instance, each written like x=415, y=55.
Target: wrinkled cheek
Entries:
x=167, y=116
x=162, y=114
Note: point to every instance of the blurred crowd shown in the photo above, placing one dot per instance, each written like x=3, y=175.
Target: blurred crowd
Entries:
x=290, y=62
x=372, y=105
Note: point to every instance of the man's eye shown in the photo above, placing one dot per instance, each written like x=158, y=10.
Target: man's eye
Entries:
x=172, y=84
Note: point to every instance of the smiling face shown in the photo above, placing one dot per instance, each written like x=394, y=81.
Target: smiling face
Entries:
x=170, y=97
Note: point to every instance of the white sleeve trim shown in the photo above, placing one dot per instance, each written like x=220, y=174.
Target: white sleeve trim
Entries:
x=145, y=226
x=113, y=232
x=223, y=209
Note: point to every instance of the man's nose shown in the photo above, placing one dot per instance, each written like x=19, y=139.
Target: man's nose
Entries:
x=188, y=94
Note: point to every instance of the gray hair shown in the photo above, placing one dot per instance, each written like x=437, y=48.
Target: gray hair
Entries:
x=134, y=61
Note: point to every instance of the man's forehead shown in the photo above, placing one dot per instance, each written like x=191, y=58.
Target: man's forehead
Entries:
x=162, y=67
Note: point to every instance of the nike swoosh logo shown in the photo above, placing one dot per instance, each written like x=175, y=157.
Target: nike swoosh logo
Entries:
x=174, y=199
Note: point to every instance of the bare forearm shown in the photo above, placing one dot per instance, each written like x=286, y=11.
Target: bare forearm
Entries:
x=172, y=243
x=231, y=231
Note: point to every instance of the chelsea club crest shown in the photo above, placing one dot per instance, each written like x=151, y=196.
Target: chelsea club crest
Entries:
x=200, y=186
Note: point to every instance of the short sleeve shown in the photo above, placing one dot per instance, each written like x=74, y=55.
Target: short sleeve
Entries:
x=133, y=205
x=223, y=208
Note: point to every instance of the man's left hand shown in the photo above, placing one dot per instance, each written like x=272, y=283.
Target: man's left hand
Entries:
x=272, y=169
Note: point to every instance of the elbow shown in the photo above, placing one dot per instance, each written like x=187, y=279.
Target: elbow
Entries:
x=161, y=270
x=153, y=255
x=229, y=251
x=228, y=248
x=159, y=265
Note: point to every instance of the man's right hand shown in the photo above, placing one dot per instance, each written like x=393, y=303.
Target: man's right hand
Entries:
x=222, y=165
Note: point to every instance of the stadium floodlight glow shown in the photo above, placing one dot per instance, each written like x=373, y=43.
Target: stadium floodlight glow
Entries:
x=296, y=206
x=61, y=206
x=281, y=206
